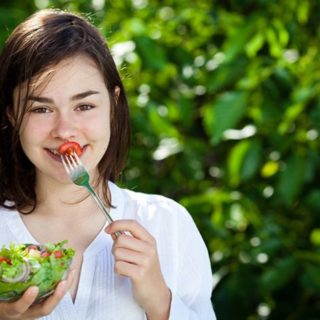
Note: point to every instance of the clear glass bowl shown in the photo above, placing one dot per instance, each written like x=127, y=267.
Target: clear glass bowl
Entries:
x=26, y=265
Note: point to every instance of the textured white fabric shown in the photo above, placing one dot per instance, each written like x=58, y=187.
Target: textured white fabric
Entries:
x=102, y=295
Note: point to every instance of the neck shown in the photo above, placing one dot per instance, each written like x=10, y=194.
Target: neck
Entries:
x=60, y=199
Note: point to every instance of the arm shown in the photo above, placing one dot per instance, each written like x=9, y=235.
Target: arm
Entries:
x=136, y=257
x=191, y=296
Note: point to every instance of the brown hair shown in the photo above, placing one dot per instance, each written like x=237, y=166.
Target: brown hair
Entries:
x=38, y=43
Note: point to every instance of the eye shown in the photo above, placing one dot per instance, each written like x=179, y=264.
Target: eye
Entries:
x=85, y=107
x=39, y=110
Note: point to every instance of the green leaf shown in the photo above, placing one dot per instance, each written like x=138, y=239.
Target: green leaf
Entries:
x=312, y=200
x=269, y=169
x=224, y=114
x=226, y=75
x=160, y=124
x=244, y=161
x=303, y=11
x=291, y=178
x=237, y=40
x=279, y=275
x=291, y=114
x=235, y=161
x=255, y=44
x=251, y=161
x=315, y=237
x=152, y=54
x=310, y=277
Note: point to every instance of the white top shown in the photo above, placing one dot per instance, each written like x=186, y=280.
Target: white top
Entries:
x=103, y=295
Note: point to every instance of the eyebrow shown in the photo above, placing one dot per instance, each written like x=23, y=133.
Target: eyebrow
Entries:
x=77, y=96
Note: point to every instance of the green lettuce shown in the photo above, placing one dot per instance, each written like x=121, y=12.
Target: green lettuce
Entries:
x=26, y=265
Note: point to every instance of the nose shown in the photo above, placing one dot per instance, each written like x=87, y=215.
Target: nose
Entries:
x=64, y=128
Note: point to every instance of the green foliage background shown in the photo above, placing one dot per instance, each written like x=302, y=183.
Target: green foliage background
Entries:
x=225, y=108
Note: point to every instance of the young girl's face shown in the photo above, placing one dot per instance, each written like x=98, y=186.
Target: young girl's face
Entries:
x=73, y=105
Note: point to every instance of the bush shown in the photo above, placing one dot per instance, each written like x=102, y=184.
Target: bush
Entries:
x=225, y=108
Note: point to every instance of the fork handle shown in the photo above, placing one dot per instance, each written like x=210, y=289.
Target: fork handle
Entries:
x=102, y=207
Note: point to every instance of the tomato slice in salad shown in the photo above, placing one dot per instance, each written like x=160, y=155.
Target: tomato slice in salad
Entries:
x=69, y=147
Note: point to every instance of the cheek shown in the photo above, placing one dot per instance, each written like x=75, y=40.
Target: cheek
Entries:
x=32, y=133
x=100, y=128
x=27, y=131
x=100, y=134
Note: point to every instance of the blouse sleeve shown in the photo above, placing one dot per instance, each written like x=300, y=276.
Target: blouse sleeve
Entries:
x=191, y=297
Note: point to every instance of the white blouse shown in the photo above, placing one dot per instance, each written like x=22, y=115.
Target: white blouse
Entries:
x=103, y=295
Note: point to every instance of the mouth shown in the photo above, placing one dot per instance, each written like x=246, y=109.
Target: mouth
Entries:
x=53, y=151
x=54, y=154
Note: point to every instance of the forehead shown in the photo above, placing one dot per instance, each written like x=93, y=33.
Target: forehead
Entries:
x=75, y=72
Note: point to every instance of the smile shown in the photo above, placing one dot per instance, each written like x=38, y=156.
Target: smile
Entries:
x=55, y=155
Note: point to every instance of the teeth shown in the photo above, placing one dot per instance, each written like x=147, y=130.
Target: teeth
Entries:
x=54, y=151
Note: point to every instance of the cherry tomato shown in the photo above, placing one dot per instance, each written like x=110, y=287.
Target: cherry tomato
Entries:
x=58, y=254
x=7, y=260
x=45, y=254
x=69, y=147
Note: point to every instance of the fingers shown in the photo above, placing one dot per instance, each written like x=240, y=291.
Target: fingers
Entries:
x=134, y=248
x=126, y=255
x=132, y=226
x=20, y=306
x=131, y=243
x=134, y=265
x=135, y=255
x=46, y=307
x=24, y=308
x=126, y=269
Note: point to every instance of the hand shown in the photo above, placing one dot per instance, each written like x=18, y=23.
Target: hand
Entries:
x=136, y=257
x=23, y=309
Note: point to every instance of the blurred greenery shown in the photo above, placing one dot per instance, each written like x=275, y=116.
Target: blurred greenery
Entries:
x=225, y=107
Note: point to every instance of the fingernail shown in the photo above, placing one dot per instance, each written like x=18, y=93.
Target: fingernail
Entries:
x=63, y=285
x=33, y=291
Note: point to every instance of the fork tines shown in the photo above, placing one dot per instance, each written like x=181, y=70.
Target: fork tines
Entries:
x=70, y=161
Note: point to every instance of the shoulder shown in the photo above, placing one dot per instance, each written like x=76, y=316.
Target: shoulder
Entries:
x=7, y=217
x=152, y=207
x=8, y=223
x=152, y=200
x=6, y=213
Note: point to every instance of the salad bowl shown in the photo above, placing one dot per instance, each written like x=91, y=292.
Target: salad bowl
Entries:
x=26, y=265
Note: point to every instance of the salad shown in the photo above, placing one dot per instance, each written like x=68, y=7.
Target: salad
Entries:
x=25, y=265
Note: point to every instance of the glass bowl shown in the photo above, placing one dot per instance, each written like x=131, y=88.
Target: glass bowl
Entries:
x=26, y=265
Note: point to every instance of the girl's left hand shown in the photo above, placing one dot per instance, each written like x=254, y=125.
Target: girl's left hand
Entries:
x=136, y=257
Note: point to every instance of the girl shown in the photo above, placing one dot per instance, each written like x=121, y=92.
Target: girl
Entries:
x=58, y=83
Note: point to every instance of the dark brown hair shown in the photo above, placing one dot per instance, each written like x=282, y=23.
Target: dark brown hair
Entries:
x=38, y=43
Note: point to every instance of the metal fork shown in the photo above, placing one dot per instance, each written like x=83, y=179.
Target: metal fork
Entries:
x=80, y=176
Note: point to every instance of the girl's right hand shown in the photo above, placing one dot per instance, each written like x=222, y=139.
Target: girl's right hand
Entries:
x=23, y=309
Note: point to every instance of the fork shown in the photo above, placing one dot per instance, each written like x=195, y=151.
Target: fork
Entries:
x=80, y=176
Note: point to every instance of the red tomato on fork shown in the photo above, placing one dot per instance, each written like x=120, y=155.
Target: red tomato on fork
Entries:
x=67, y=148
